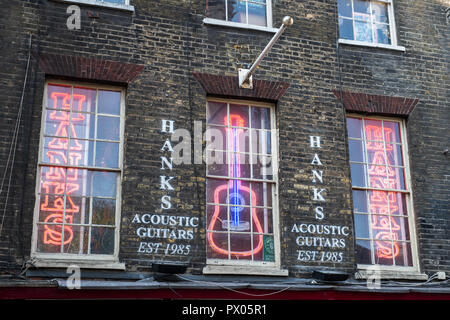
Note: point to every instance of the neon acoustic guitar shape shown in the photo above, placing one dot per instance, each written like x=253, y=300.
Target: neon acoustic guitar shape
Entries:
x=235, y=198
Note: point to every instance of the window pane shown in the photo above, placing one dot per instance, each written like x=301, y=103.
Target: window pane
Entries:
x=379, y=11
x=378, y=202
x=239, y=220
x=216, y=113
x=400, y=228
x=356, y=150
x=104, y=184
x=394, y=154
x=55, y=150
x=358, y=174
x=49, y=238
x=236, y=11
x=376, y=157
x=361, y=6
x=384, y=250
x=362, y=226
x=260, y=118
x=363, y=252
x=215, y=9
x=108, y=128
x=239, y=115
x=262, y=167
x=217, y=164
x=346, y=29
x=264, y=220
x=257, y=14
x=107, y=154
x=398, y=178
x=238, y=139
x=213, y=212
x=56, y=123
x=84, y=99
x=363, y=31
x=354, y=127
x=345, y=8
x=109, y=102
x=382, y=33
x=79, y=240
x=392, y=132
x=240, y=165
x=82, y=125
x=262, y=194
x=373, y=131
x=103, y=211
x=397, y=200
x=261, y=141
x=359, y=201
x=216, y=191
x=216, y=138
x=241, y=246
x=102, y=240
x=58, y=96
x=217, y=247
x=404, y=256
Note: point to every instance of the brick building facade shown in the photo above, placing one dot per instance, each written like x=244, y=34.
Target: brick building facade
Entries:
x=354, y=93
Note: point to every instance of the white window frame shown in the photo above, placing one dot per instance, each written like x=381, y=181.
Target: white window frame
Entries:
x=225, y=23
x=392, y=30
x=102, y=3
x=95, y=261
x=227, y=266
x=413, y=271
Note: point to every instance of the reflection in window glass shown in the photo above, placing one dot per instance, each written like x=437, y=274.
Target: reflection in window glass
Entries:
x=252, y=12
x=364, y=21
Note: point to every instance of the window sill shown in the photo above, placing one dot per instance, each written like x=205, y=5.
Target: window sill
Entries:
x=245, y=270
x=95, y=3
x=390, y=274
x=101, y=264
x=223, y=23
x=372, y=45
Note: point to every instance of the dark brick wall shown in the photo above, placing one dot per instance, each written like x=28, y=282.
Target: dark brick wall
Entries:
x=169, y=39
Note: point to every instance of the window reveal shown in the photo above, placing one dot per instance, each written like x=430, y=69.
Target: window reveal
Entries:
x=79, y=171
x=366, y=21
x=239, y=203
x=380, y=193
x=252, y=12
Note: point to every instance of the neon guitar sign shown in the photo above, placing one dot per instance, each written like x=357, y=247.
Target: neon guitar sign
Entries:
x=235, y=200
x=59, y=184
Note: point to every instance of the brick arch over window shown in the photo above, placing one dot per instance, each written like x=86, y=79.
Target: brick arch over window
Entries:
x=228, y=86
x=88, y=68
x=377, y=104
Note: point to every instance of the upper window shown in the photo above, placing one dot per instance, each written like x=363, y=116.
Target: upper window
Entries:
x=78, y=201
x=245, y=13
x=367, y=21
x=241, y=184
x=384, y=224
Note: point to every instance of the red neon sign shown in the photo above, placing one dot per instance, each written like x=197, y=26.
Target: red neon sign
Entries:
x=383, y=204
x=235, y=197
x=59, y=184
